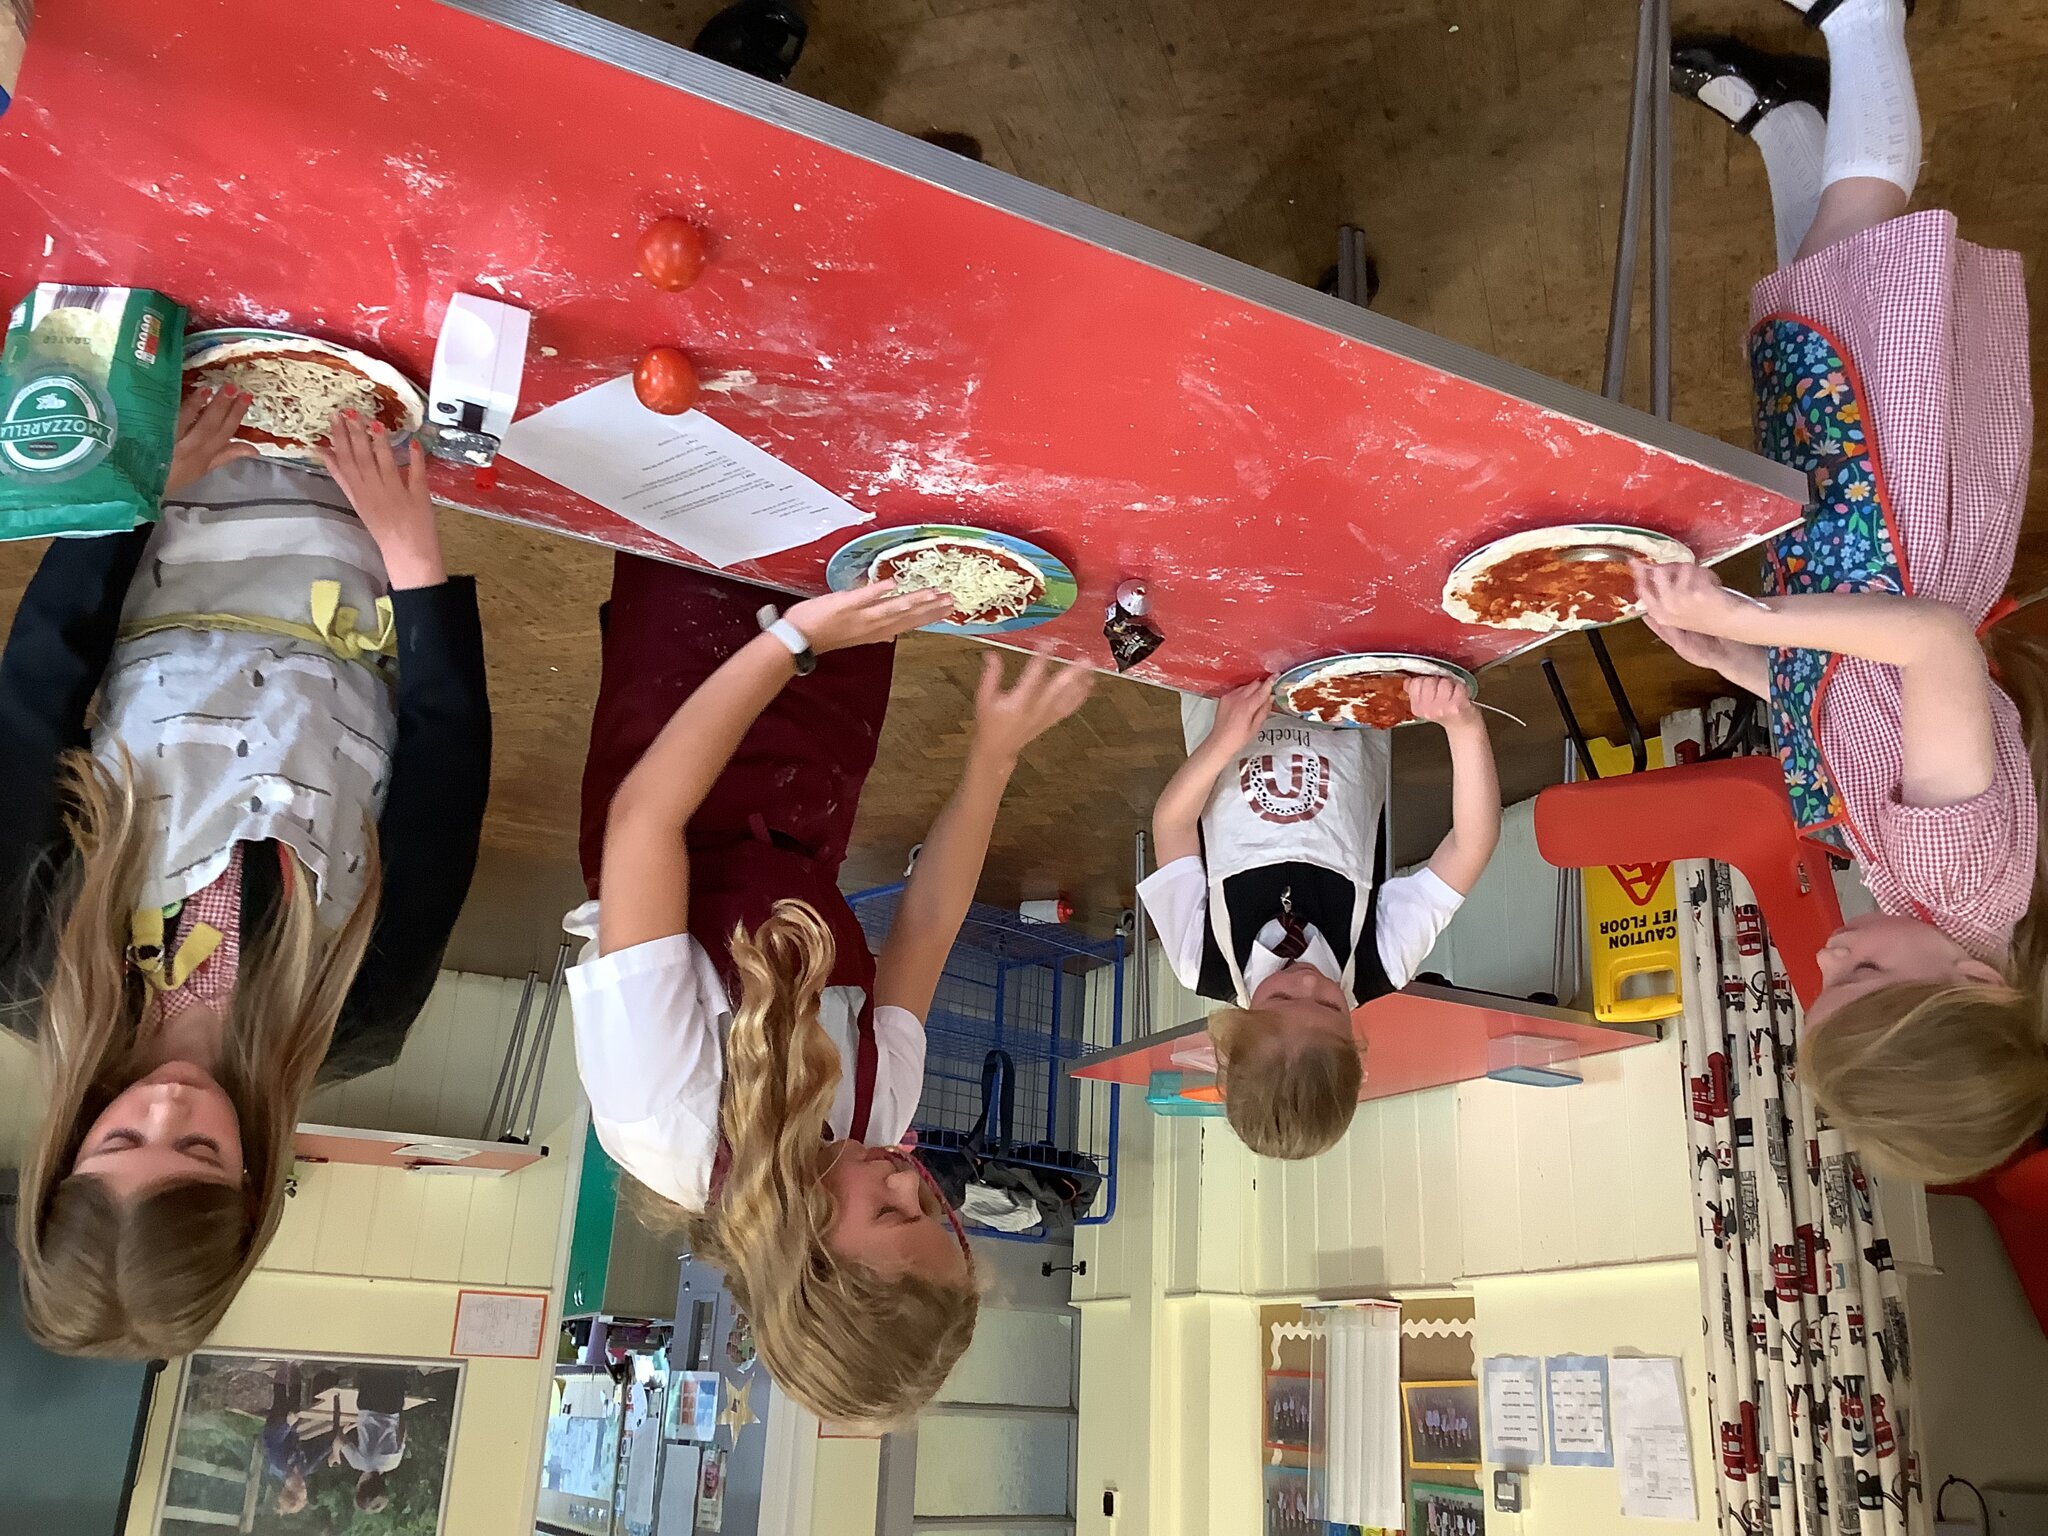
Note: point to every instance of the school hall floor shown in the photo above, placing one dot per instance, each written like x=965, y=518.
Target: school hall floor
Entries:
x=1477, y=142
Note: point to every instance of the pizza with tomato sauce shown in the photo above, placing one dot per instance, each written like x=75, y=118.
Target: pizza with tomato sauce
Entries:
x=1377, y=699
x=1363, y=690
x=1548, y=579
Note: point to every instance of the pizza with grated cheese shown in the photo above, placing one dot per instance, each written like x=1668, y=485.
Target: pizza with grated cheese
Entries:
x=988, y=584
x=296, y=389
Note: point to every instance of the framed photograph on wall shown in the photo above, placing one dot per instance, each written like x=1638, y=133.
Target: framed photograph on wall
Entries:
x=1437, y=1509
x=1292, y=1505
x=1292, y=1420
x=1441, y=1419
x=280, y=1445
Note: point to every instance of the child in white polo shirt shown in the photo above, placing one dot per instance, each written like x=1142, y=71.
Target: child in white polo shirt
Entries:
x=1267, y=887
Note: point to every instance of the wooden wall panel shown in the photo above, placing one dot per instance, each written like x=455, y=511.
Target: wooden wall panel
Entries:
x=448, y=1227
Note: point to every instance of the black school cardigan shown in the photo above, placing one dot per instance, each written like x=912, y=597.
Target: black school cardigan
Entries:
x=57, y=652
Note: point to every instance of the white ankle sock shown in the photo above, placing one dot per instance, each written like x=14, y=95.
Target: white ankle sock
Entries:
x=1873, y=115
x=1791, y=137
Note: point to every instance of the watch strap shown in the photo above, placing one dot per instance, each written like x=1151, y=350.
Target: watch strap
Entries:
x=792, y=638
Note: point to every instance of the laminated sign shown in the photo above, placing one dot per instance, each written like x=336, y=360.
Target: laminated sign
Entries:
x=1632, y=925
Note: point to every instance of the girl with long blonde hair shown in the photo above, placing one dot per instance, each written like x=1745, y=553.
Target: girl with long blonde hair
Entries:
x=237, y=879
x=1890, y=362
x=748, y=1061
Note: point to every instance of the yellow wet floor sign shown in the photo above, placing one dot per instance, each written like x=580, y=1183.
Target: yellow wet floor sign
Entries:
x=1632, y=923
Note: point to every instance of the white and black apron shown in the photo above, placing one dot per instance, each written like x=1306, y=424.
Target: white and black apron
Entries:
x=1293, y=827
x=253, y=684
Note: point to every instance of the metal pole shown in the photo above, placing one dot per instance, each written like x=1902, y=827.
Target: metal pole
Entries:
x=1141, y=953
x=1639, y=752
x=1567, y=928
x=1640, y=127
x=1660, y=216
x=492, y=1124
x=536, y=1063
x=1574, y=737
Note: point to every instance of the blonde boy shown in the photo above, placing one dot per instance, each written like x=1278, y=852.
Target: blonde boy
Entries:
x=1267, y=897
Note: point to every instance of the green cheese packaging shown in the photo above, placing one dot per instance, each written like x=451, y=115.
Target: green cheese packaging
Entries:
x=89, y=389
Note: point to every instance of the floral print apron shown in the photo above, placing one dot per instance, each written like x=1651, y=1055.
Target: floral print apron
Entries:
x=1810, y=414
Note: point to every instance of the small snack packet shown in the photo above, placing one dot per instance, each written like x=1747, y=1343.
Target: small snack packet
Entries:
x=1129, y=629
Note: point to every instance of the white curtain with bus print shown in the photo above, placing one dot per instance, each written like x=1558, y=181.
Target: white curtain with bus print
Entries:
x=1807, y=1352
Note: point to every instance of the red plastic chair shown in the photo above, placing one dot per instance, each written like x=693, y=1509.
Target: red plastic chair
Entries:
x=1734, y=811
x=1737, y=812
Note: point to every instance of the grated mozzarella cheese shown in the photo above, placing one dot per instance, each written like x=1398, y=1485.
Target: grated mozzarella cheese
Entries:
x=984, y=587
x=290, y=397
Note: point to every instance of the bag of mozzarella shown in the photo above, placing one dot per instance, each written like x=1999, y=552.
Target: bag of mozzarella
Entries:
x=89, y=390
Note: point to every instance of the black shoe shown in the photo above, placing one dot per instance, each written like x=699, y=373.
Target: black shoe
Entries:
x=1775, y=77
x=764, y=38
x=1817, y=11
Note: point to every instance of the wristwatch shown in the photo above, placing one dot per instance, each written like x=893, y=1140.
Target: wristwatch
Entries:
x=773, y=623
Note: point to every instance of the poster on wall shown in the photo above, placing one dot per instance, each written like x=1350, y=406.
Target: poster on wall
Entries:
x=1514, y=1410
x=507, y=1325
x=711, y=1494
x=692, y=1405
x=1576, y=1386
x=310, y=1445
x=1653, y=1446
x=1442, y=1421
x=1437, y=1509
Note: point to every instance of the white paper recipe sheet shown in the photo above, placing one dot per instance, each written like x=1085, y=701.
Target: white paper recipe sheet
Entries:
x=686, y=478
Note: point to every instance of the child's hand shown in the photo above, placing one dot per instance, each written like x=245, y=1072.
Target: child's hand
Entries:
x=392, y=502
x=866, y=615
x=1690, y=598
x=1709, y=651
x=1006, y=720
x=1240, y=715
x=207, y=423
x=1442, y=699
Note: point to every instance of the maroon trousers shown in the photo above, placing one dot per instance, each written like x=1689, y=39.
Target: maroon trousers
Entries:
x=776, y=823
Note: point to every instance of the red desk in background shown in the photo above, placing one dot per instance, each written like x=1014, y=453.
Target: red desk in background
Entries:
x=1423, y=1036
x=927, y=337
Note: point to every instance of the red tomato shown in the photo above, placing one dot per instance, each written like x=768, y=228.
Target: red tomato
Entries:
x=665, y=381
x=671, y=254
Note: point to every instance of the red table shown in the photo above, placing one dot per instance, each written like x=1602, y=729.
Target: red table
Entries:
x=1423, y=1036
x=932, y=339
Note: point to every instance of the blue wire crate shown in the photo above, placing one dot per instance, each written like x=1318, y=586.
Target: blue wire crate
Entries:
x=1024, y=988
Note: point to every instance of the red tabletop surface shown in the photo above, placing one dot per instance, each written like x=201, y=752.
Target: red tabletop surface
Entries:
x=1287, y=491
x=1422, y=1037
